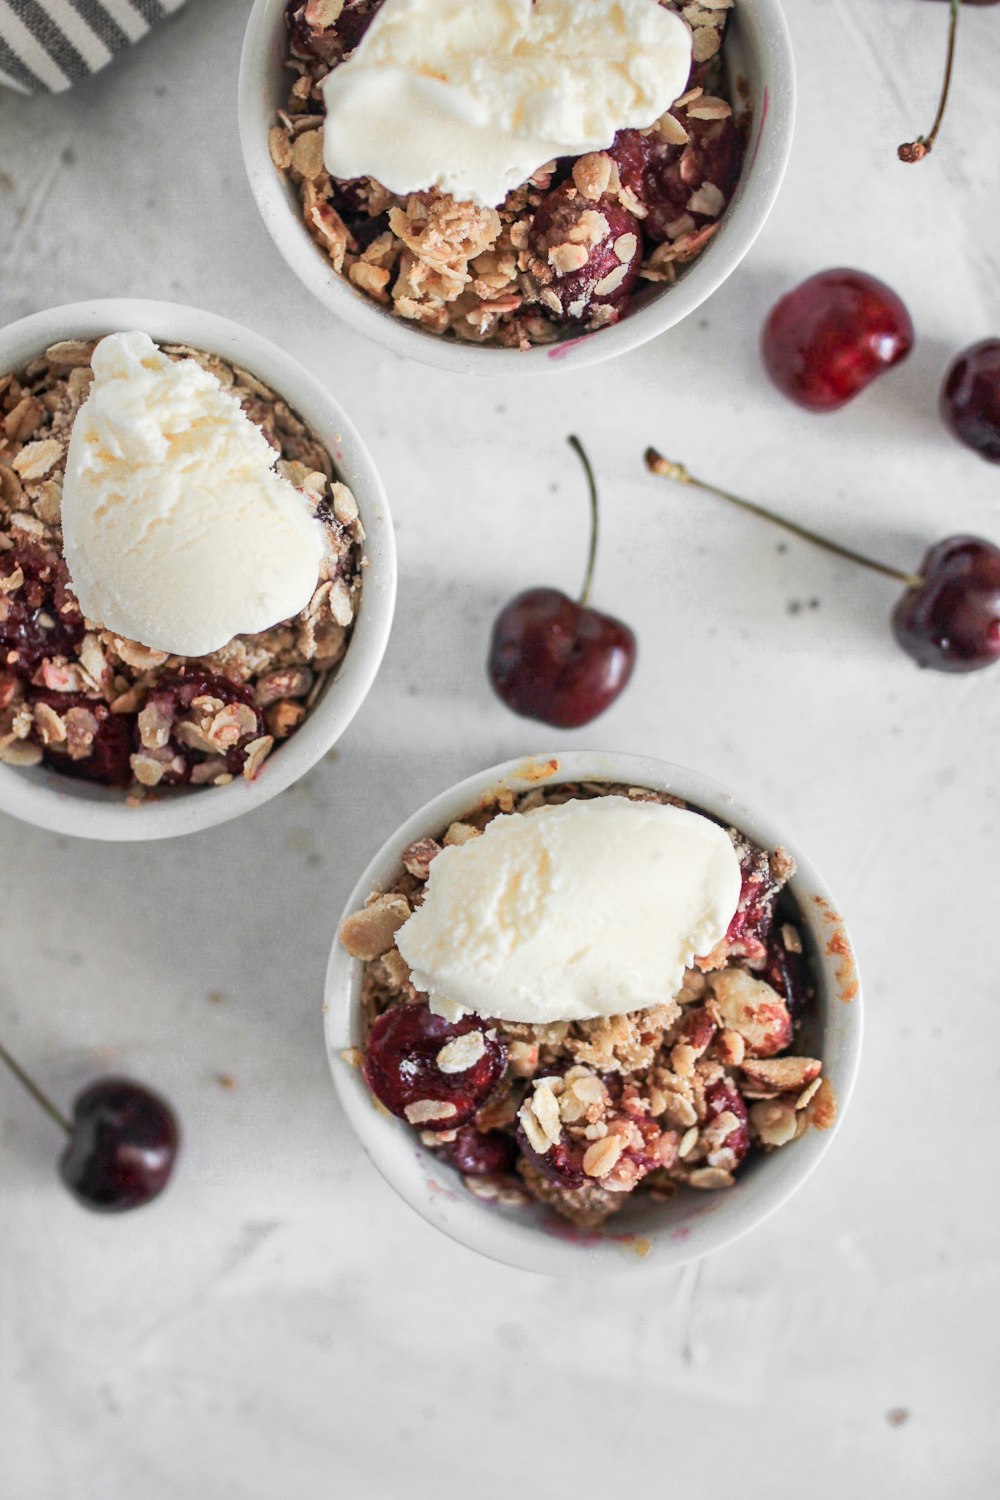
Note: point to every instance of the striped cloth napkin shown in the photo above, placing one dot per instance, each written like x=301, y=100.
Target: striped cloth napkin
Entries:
x=48, y=45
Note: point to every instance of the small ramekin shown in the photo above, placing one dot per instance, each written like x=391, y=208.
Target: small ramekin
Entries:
x=644, y=1234
x=762, y=68
x=65, y=805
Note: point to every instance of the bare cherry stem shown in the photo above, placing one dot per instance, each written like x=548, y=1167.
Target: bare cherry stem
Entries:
x=918, y=149
x=588, y=577
x=666, y=469
x=43, y=1099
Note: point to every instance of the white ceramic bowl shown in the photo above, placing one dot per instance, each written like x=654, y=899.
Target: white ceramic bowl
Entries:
x=643, y=1234
x=64, y=805
x=760, y=56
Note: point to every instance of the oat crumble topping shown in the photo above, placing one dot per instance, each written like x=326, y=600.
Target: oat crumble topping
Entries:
x=579, y=1114
x=563, y=253
x=90, y=704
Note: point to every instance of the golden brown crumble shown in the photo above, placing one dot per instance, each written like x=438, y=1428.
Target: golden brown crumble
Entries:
x=672, y=1096
x=80, y=682
x=471, y=272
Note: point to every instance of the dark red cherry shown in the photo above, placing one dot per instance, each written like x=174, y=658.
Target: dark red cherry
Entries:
x=481, y=1153
x=175, y=693
x=785, y=971
x=832, y=336
x=665, y=177
x=402, y=1070
x=109, y=761
x=555, y=659
x=590, y=250
x=561, y=1163
x=951, y=621
x=970, y=399
x=121, y=1142
x=354, y=21
x=40, y=618
x=720, y=1097
x=123, y=1146
x=330, y=43
x=949, y=617
x=748, y=931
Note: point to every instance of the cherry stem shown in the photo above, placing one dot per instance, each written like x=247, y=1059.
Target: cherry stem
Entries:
x=657, y=464
x=588, y=577
x=29, y=1083
x=918, y=149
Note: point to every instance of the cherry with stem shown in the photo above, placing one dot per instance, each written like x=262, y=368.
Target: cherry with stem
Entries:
x=26, y=1081
x=557, y=659
x=949, y=616
x=121, y=1142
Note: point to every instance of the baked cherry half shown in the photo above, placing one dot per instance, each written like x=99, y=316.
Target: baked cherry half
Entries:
x=481, y=1153
x=949, y=617
x=556, y=659
x=970, y=399
x=414, y=1065
x=830, y=337
x=722, y=1098
x=591, y=251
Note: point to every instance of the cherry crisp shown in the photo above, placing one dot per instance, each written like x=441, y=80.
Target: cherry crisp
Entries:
x=89, y=704
x=565, y=252
x=579, y=1114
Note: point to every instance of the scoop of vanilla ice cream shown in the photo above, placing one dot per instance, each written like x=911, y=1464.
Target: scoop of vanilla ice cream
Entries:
x=588, y=908
x=177, y=531
x=473, y=99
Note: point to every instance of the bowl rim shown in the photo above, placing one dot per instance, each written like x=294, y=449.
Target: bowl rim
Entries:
x=766, y=29
x=61, y=805
x=432, y=1190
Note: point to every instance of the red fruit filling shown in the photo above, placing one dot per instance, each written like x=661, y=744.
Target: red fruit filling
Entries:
x=401, y=1066
x=754, y=917
x=329, y=43
x=39, y=619
x=785, y=971
x=665, y=178
x=588, y=255
x=647, y=1146
x=720, y=1097
x=112, y=745
x=561, y=1163
x=176, y=697
x=481, y=1153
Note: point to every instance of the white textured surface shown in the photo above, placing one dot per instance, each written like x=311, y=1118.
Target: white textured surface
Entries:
x=280, y=1325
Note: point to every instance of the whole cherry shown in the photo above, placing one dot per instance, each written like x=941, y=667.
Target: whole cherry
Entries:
x=912, y=151
x=951, y=621
x=832, y=335
x=970, y=399
x=553, y=658
x=949, y=616
x=122, y=1141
